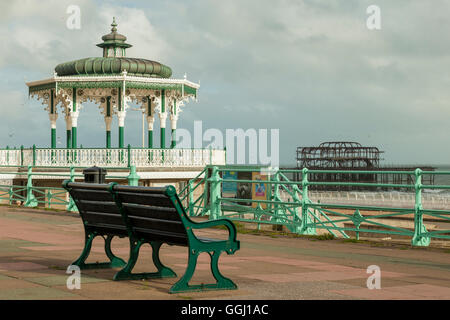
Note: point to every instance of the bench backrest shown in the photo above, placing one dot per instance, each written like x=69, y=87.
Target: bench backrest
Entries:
x=97, y=207
x=146, y=212
x=151, y=213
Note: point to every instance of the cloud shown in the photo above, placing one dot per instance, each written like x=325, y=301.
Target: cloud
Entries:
x=310, y=68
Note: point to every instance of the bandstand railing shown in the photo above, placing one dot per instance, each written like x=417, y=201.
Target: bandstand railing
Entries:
x=111, y=157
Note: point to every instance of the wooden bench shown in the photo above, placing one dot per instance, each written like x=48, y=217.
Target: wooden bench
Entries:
x=147, y=215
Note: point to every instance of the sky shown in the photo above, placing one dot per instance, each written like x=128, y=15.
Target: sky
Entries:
x=311, y=69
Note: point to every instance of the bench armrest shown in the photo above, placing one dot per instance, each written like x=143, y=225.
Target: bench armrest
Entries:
x=219, y=222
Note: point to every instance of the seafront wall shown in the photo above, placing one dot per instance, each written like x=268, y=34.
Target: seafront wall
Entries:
x=435, y=200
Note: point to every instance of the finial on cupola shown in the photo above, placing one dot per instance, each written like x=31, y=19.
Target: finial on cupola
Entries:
x=114, y=25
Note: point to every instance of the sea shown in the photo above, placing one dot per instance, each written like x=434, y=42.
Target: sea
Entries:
x=440, y=179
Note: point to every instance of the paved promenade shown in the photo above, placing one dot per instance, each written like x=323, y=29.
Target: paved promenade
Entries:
x=36, y=246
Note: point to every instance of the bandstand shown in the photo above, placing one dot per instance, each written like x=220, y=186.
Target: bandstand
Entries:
x=113, y=82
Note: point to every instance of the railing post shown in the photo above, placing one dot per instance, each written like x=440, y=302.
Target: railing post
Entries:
x=298, y=216
x=306, y=220
x=129, y=156
x=21, y=155
x=34, y=155
x=7, y=155
x=11, y=194
x=215, y=211
x=191, y=198
x=419, y=228
x=276, y=198
x=31, y=199
x=71, y=206
x=133, y=178
x=210, y=155
x=49, y=198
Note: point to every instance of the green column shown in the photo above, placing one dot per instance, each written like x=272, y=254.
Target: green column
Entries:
x=121, y=136
x=163, y=138
x=174, y=119
x=150, y=120
x=150, y=139
x=121, y=117
x=69, y=139
x=108, y=139
x=74, y=110
x=108, y=120
x=173, y=144
x=74, y=137
x=162, y=118
x=53, y=139
x=53, y=116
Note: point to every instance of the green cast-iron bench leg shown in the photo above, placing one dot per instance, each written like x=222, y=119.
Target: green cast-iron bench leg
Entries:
x=222, y=283
x=126, y=274
x=115, y=262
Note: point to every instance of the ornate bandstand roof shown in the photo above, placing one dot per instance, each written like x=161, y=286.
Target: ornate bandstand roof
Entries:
x=114, y=70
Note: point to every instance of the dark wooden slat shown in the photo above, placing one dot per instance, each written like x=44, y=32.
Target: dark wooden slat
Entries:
x=93, y=195
x=97, y=206
x=163, y=225
x=164, y=236
x=152, y=212
x=96, y=217
x=148, y=199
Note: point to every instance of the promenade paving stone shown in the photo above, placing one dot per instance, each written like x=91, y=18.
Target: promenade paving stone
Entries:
x=36, y=247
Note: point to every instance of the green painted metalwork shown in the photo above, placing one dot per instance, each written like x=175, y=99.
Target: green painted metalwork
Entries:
x=121, y=137
x=114, y=66
x=68, y=139
x=174, y=139
x=150, y=139
x=34, y=155
x=53, y=138
x=419, y=228
x=133, y=178
x=108, y=139
x=74, y=138
x=196, y=246
x=30, y=200
x=21, y=155
x=114, y=261
x=163, y=138
x=303, y=216
x=215, y=180
x=71, y=206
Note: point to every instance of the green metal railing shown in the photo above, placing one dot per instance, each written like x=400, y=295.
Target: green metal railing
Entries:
x=303, y=216
x=30, y=195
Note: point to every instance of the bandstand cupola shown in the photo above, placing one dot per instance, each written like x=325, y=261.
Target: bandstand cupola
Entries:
x=114, y=43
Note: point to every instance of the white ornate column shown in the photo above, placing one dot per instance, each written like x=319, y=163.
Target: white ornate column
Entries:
x=74, y=120
x=149, y=109
x=162, y=118
x=121, y=116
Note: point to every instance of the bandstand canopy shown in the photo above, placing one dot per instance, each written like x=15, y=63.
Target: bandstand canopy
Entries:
x=113, y=81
